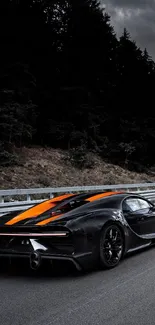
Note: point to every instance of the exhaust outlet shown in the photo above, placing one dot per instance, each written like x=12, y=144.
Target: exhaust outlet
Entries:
x=35, y=261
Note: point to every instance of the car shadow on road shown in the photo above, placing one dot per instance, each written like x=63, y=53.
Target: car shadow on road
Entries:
x=46, y=271
x=58, y=271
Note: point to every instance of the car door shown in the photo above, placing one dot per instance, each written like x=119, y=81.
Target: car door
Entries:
x=140, y=215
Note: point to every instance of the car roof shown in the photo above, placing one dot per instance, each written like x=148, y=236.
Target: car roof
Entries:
x=108, y=201
x=95, y=195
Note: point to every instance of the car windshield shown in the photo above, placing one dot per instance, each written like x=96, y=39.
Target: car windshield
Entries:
x=64, y=208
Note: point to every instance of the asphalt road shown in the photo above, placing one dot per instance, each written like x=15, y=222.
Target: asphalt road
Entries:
x=122, y=296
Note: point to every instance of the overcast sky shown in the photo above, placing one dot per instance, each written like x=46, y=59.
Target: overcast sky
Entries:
x=138, y=16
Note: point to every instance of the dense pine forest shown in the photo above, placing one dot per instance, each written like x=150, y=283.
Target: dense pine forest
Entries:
x=67, y=81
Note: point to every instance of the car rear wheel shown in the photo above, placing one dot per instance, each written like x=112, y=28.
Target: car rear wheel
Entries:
x=111, y=246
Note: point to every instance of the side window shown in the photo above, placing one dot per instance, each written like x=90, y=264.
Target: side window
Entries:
x=126, y=208
x=135, y=204
x=144, y=204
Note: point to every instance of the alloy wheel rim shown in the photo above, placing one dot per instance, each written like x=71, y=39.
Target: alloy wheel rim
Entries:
x=112, y=245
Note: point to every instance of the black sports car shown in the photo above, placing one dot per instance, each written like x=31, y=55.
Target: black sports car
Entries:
x=87, y=229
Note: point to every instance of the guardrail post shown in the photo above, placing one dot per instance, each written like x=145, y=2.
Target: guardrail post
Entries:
x=28, y=197
x=1, y=199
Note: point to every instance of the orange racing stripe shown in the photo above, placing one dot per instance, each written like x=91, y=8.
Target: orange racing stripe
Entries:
x=100, y=196
x=36, y=210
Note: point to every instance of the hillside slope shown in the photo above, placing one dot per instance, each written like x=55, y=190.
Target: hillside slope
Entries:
x=51, y=168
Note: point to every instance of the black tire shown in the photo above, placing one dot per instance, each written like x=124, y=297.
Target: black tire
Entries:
x=111, y=246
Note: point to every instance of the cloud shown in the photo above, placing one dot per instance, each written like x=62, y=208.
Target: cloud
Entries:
x=138, y=17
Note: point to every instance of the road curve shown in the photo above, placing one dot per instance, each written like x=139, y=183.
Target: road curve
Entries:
x=122, y=296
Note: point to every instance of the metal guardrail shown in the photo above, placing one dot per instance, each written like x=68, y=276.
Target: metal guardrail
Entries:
x=22, y=199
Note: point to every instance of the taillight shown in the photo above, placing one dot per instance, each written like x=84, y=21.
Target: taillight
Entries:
x=33, y=234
